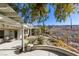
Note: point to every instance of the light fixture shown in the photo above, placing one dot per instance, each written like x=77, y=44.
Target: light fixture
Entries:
x=1, y=17
x=3, y=7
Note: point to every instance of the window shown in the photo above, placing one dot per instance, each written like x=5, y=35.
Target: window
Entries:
x=1, y=33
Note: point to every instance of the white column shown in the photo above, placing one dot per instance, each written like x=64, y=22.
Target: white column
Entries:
x=23, y=44
x=19, y=35
x=12, y=34
x=30, y=32
x=6, y=32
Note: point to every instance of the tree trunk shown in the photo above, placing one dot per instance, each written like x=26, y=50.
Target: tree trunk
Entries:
x=44, y=27
x=71, y=22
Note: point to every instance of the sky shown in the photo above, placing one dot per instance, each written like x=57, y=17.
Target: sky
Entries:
x=52, y=20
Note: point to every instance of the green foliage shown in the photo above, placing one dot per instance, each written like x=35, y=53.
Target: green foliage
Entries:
x=40, y=40
x=40, y=11
x=62, y=11
x=14, y=6
x=43, y=28
x=24, y=10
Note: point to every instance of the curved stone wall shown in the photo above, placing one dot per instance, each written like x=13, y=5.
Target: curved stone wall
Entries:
x=54, y=49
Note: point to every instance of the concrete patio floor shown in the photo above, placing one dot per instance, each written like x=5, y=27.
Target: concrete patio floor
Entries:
x=10, y=45
x=32, y=53
x=5, y=50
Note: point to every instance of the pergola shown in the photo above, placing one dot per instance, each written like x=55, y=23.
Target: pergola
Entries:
x=9, y=19
x=6, y=10
x=8, y=23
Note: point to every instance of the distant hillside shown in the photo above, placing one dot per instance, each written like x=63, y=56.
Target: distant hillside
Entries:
x=61, y=26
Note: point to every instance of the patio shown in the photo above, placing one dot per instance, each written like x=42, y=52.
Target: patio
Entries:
x=7, y=49
x=10, y=45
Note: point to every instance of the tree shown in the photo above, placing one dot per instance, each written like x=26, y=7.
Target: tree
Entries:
x=40, y=13
x=31, y=11
x=62, y=11
x=36, y=11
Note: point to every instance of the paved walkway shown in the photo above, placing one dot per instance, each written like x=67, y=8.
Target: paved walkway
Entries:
x=10, y=45
x=32, y=53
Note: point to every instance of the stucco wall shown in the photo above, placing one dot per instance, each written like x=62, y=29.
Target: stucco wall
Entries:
x=9, y=33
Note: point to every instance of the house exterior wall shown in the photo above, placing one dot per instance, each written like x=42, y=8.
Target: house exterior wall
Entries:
x=19, y=35
x=9, y=33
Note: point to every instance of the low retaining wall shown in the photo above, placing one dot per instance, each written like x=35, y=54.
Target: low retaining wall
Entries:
x=60, y=51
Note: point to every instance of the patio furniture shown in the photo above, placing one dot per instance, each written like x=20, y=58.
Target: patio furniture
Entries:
x=6, y=38
x=18, y=50
x=27, y=48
